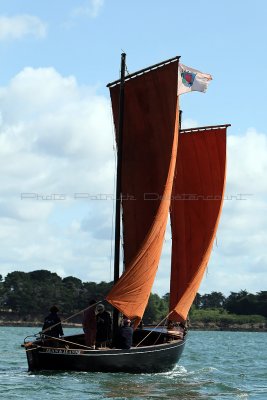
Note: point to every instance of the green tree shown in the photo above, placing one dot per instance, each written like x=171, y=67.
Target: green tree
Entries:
x=157, y=309
x=212, y=300
x=242, y=303
x=197, y=301
x=32, y=292
x=166, y=298
x=72, y=291
x=261, y=303
x=17, y=290
x=46, y=288
x=2, y=293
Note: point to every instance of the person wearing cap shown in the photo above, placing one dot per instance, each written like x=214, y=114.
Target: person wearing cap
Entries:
x=124, y=338
x=103, y=325
x=89, y=324
x=51, y=320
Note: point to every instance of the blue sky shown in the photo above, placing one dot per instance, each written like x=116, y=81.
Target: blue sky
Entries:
x=226, y=38
x=56, y=132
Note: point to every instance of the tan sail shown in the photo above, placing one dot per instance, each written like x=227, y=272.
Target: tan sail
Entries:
x=196, y=206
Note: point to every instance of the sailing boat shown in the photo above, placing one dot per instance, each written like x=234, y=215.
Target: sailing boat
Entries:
x=160, y=169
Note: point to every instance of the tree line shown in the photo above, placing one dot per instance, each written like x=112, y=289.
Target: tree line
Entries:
x=33, y=293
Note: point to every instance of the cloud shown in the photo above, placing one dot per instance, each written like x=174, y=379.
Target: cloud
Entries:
x=57, y=183
x=189, y=123
x=19, y=26
x=56, y=142
x=247, y=163
x=90, y=9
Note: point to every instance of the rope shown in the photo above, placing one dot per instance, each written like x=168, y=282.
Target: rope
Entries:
x=160, y=333
x=67, y=341
x=73, y=315
x=154, y=329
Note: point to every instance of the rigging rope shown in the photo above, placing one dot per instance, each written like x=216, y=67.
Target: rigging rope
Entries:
x=66, y=341
x=73, y=315
x=153, y=329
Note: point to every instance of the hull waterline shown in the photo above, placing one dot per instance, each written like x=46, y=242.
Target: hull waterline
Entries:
x=147, y=359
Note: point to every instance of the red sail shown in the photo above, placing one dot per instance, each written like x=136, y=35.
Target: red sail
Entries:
x=149, y=119
x=196, y=205
x=149, y=156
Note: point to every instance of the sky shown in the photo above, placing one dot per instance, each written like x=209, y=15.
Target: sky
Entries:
x=57, y=136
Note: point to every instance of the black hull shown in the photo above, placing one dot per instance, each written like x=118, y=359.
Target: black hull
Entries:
x=147, y=359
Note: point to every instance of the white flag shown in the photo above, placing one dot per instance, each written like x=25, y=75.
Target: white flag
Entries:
x=190, y=79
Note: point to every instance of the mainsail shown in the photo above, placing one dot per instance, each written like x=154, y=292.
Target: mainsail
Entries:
x=196, y=205
x=150, y=138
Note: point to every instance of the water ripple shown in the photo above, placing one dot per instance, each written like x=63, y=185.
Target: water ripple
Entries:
x=215, y=365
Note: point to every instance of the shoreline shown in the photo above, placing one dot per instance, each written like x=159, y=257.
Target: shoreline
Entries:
x=34, y=324
x=196, y=326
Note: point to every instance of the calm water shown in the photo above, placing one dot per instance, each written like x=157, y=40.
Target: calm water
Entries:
x=214, y=365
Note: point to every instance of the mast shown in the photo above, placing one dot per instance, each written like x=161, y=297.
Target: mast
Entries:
x=118, y=190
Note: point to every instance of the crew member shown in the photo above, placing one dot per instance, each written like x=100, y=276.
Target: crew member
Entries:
x=124, y=338
x=89, y=324
x=103, y=325
x=51, y=320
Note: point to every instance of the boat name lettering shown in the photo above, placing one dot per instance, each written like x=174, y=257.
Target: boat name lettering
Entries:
x=63, y=351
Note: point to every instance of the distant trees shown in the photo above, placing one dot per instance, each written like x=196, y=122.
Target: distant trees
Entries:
x=246, y=303
x=156, y=310
x=212, y=300
x=30, y=292
x=35, y=292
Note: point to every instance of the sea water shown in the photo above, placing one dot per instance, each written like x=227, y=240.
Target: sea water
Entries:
x=214, y=365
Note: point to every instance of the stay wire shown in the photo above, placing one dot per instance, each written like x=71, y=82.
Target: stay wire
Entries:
x=165, y=318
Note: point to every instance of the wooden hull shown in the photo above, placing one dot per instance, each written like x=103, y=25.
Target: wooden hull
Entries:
x=155, y=358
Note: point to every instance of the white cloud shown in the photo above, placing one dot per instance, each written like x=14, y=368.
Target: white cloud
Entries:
x=90, y=9
x=189, y=123
x=56, y=140
x=19, y=26
x=247, y=163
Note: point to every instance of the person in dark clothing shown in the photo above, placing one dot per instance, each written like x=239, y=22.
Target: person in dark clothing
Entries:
x=124, y=338
x=141, y=324
x=89, y=324
x=103, y=325
x=51, y=320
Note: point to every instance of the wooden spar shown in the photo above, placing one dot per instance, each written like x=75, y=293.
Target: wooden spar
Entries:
x=143, y=71
x=203, y=128
x=118, y=190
